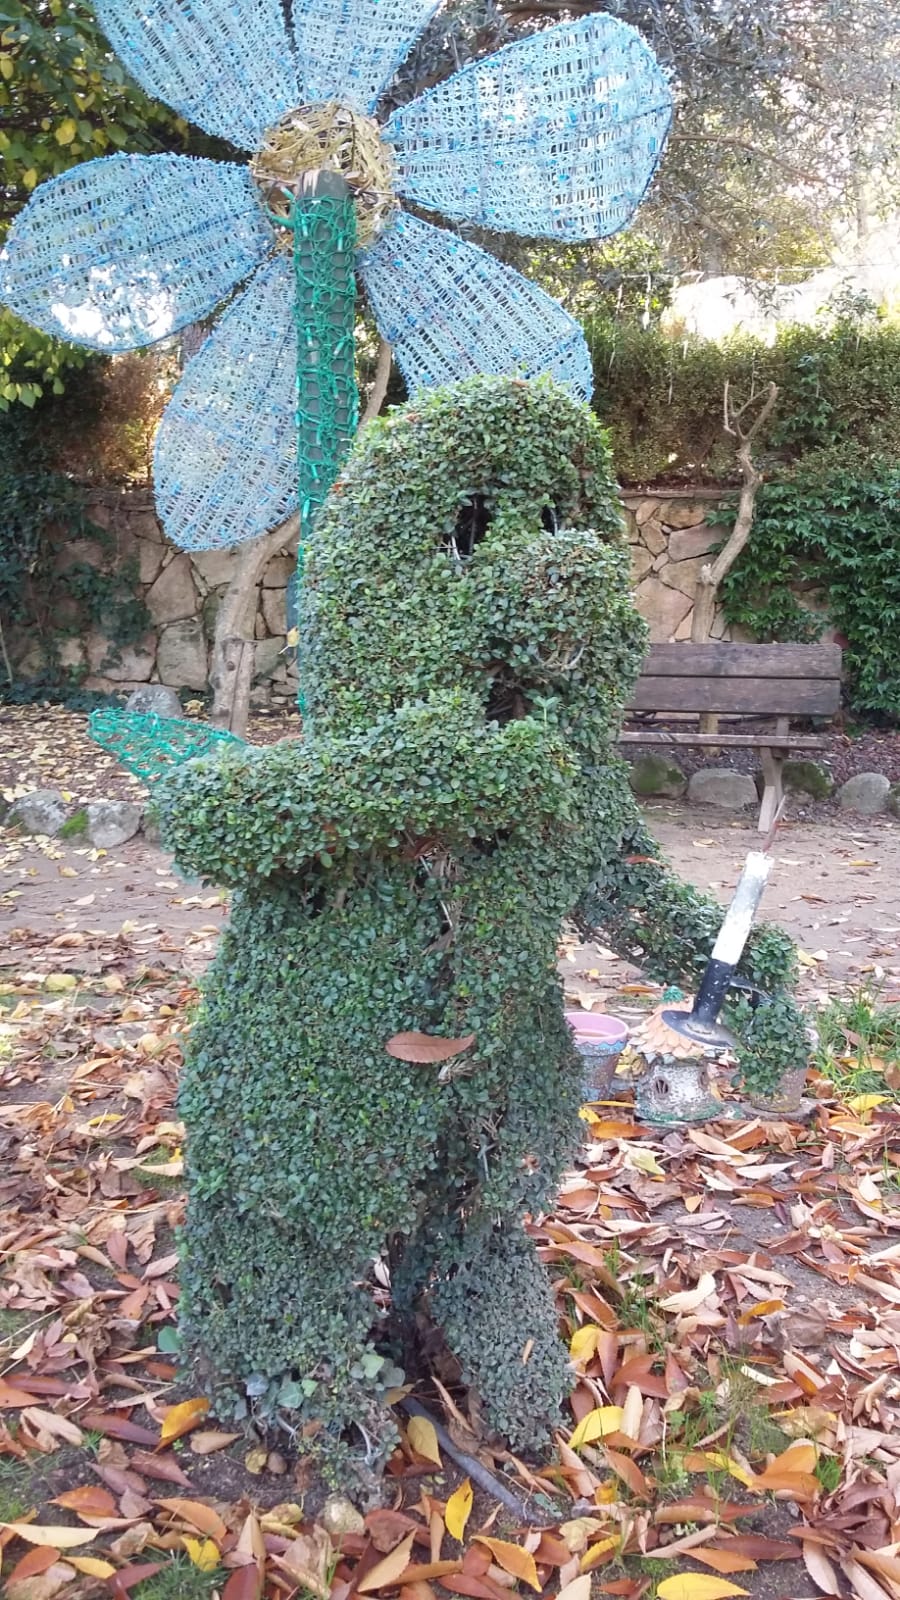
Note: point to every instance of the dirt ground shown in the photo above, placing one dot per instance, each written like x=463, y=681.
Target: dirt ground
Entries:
x=834, y=886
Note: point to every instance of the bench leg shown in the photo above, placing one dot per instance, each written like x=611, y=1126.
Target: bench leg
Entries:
x=773, y=792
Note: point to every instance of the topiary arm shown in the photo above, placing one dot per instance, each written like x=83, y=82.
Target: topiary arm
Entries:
x=668, y=928
x=433, y=768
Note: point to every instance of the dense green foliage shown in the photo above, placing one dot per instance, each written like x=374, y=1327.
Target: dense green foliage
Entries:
x=829, y=528
x=775, y=1040
x=48, y=591
x=661, y=397
x=469, y=642
x=64, y=98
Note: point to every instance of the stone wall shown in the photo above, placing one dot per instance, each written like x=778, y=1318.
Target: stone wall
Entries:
x=667, y=531
x=670, y=541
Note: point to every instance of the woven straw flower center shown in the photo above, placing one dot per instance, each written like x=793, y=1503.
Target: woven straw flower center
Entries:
x=312, y=137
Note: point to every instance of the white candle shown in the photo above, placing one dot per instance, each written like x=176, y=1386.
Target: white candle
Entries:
x=735, y=930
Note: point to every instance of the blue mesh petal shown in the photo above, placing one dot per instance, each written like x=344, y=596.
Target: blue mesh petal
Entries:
x=122, y=251
x=451, y=310
x=350, y=49
x=225, y=465
x=225, y=64
x=557, y=135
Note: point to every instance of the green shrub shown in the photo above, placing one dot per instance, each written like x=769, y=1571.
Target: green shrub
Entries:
x=832, y=528
x=468, y=644
x=662, y=398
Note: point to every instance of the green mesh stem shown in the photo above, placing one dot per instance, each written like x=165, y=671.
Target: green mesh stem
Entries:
x=324, y=247
x=151, y=746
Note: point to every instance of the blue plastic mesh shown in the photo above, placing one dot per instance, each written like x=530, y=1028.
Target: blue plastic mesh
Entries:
x=124, y=250
x=226, y=455
x=556, y=135
x=451, y=310
x=225, y=64
x=151, y=746
x=350, y=49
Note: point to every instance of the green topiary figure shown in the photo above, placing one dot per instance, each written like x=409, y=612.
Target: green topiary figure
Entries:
x=469, y=642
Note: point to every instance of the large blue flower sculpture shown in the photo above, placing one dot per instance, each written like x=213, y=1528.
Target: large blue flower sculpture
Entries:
x=554, y=136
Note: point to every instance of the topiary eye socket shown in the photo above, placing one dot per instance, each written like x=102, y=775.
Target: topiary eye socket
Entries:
x=472, y=522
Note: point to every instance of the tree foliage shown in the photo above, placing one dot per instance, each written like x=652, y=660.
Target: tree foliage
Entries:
x=64, y=99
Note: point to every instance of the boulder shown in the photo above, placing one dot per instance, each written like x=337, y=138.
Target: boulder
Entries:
x=111, y=822
x=807, y=777
x=652, y=774
x=173, y=596
x=719, y=786
x=867, y=793
x=154, y=700
x=42, y=811
x=182, y=656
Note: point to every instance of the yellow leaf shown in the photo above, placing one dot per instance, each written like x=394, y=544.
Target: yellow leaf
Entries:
x=513, y=1559
x=644, y=1160
x=55, y=1536
x=861, y=1103
x=66, y=131
x=386, y=1572
x=595, y=1554
x=56, y=982
x=92, y=1566
x=7, y=66
x=423, y=1439
x=181, y=1418
x=596, y=1425
x=584, y=1342
x=203, y=1552
x=293, y=638
x=456, y=1513
x=718, y=1461
x=696, y=1586
x=796, y=1458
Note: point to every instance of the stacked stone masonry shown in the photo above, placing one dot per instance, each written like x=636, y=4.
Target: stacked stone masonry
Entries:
x=669, y=536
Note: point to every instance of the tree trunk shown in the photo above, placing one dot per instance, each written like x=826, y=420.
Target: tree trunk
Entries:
x=712, y=573
x=234, y=646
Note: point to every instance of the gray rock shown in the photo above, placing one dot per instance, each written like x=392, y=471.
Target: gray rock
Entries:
x=129, y=663
x=182, y=655
x=216, y=567
x=154, y=700
x=719, y=786
x=663, y=608
x=686, y=543
x=807, y=777
x=867, y=793
x=681, y=514
x=42, y=811
x=268, y=657
x=111, y=822
x=173, y=596
x=652, y=774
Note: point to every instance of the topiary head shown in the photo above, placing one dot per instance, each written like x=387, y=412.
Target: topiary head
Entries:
x=474, y=539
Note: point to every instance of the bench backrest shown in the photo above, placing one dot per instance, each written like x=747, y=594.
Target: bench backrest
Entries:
x=750, y=679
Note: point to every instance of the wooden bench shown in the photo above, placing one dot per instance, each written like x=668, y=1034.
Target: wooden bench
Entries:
x=777, y=681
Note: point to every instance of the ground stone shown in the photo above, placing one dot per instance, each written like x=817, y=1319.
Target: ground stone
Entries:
x=652, y=775
x=42, y=811
x=154, y=700
x=111, y=822
x=719, y=786
x=807, y=777
x=866, y=793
